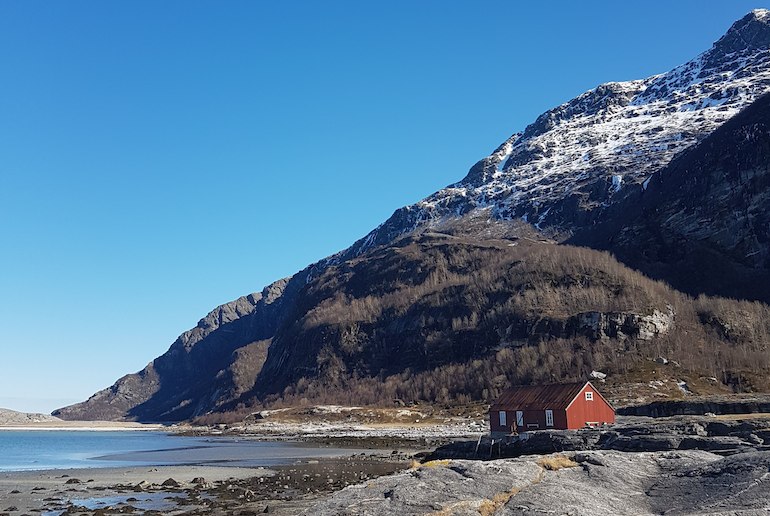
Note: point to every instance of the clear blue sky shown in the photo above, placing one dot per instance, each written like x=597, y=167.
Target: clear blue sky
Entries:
x=160, y=158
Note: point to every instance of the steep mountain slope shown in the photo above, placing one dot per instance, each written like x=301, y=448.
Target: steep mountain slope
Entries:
x=411, y=314
x=703, y=222
x=448, y=317
x=443, y=317
x=198, y=372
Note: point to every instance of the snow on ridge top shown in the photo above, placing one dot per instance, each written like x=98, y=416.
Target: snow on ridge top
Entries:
x=748, y=34
x=582, y=155
x=618, y=133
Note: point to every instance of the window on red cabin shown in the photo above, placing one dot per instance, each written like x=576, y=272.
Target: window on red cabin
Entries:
x=589, y=396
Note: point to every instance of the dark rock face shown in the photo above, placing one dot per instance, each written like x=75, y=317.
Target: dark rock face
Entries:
x=753, y=405
x=747, y=34
x=703, y=223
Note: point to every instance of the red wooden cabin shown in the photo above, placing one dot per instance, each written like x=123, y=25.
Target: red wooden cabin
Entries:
x=566, y=406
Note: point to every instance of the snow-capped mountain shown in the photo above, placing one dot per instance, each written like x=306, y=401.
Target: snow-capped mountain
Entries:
x=575, y=159
x=600, y=167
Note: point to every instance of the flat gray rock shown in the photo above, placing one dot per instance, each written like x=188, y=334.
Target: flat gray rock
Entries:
x=458, y=487
x=587, y=483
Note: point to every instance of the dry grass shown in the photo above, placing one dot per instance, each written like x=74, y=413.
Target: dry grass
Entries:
x=490, y=507
x=370, y=415
x=450, y=321
x=430, y=464
x=556, y=462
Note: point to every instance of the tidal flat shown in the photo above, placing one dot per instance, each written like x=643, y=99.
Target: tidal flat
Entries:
x=154, y=472
x=192, y=489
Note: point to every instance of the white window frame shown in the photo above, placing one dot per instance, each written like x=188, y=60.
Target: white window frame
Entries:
x=502, y=417
x=548, y=417
x=589, y=396
x=520, y=418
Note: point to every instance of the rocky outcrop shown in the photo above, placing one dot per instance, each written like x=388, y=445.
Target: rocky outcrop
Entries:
x=756, y=404
x=642, y=435
x=620, y=325
x=588, y=483
x=457, y=487
x=603, y=325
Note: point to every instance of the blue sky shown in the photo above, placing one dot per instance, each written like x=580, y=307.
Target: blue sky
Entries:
x=160, y=158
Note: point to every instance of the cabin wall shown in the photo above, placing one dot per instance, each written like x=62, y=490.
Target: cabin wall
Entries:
x=582, y=411
x=533, y=420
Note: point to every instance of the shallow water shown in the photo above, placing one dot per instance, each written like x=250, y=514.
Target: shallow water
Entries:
x=41, y=450
x=140, y=502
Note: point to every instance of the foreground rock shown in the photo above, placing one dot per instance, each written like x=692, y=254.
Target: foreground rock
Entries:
x=595, y=483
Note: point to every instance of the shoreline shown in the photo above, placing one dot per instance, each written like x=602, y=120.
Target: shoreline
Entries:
x=289, y=488
x=361, y=450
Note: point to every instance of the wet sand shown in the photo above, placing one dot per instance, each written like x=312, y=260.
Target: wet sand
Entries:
x=236, y=452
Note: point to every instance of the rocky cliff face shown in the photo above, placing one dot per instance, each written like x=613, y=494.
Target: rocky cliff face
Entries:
x=702, y=223
x=599, y=325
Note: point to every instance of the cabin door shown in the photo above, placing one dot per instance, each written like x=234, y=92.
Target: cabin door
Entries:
x=519, y=418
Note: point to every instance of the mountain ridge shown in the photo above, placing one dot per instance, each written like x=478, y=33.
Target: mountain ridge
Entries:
x=218, y=366
x=516, y=179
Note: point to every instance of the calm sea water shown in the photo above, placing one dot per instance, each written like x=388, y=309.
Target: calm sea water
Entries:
x=34, y=450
